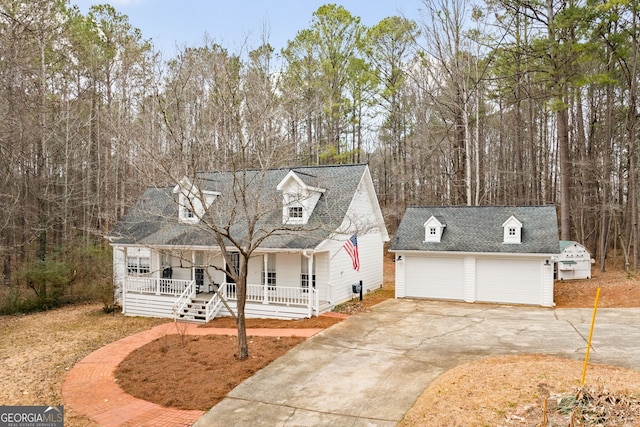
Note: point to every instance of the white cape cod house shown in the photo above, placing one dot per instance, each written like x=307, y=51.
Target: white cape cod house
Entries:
x=168, y=263
x=501, y=254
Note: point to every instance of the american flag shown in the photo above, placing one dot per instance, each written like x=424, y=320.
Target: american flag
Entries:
x=351, y=246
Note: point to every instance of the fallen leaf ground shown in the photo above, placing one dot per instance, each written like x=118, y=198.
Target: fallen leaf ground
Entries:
x=37, y=350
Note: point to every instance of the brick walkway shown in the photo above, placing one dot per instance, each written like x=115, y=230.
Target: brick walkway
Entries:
x=90, y=388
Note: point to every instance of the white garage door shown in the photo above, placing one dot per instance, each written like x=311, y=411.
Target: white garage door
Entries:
x=441, y=278
x=509, y=281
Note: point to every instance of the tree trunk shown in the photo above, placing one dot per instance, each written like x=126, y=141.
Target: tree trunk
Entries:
x=565, y=173
x=241, y=289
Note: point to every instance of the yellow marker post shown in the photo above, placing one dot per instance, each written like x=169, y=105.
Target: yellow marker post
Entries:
x=593, y=321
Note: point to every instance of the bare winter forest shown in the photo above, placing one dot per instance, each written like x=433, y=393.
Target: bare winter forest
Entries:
x=508, y=102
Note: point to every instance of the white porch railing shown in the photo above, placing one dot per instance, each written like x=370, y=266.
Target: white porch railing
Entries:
x=266, y=294
x=154, y=285
x=183, y=293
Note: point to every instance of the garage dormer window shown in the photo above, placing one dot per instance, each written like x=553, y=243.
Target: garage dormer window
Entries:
x=433, y=230
x=512, y=231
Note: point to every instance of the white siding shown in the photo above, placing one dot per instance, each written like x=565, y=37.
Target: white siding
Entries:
x=343, y=276
x=254, y=269
x=469, y=279
x=256, y=310
x=400, y=275
x=181, y=273
x=323, y=280
x=547, y=284
x=288, y=269
x=435, y=277
x=149, y=305
x=360, y=220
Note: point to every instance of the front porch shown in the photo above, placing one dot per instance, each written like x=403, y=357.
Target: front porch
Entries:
x=183, y=300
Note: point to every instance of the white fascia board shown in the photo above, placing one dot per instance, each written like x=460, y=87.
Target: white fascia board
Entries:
x=184, y=183
x=512, y=220
x=294, y=176
x=488, y=254
x=376, y=205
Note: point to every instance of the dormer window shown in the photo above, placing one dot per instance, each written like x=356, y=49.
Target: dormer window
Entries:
x=298, y=198
x=433, y=230
x=512, y=231
x=191, y=206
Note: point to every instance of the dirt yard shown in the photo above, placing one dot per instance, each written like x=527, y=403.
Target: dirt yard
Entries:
x=37, y=350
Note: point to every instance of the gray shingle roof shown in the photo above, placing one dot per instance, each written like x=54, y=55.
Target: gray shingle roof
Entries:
x=153, y=220
x=479, y=229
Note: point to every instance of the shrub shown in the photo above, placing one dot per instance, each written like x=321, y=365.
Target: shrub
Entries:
x=80, y=273
x=48, y=279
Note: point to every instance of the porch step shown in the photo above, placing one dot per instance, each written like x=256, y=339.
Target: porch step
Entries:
x=195, y=311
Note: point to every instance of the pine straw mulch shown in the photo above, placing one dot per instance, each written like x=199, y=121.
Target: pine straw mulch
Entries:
x=531, y=391
x=188, y=372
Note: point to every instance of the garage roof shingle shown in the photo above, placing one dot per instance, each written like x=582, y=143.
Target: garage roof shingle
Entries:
x=479, y=229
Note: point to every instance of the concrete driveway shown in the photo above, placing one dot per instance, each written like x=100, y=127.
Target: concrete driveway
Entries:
x=369, y=369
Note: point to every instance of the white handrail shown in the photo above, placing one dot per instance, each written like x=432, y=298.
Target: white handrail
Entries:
x=183, y=299
x=213, y=305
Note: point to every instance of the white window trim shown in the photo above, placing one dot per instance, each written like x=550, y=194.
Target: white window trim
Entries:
x=512, y=231
x=433, y=230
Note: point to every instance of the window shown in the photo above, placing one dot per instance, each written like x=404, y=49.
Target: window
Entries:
x=433, y=230
x=270, y=275
x=512, y=234
x=304, y=274
x=295, y=212
x=137, y=266
x=188, y=209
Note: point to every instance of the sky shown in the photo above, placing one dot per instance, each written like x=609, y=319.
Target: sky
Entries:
x=235, y=24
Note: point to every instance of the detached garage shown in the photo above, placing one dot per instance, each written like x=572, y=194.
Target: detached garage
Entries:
x=477, y=253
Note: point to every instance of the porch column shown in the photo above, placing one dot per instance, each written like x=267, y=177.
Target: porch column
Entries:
x=193, y=265
x=265, y=289
x=123, y=284
x=311, y=292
